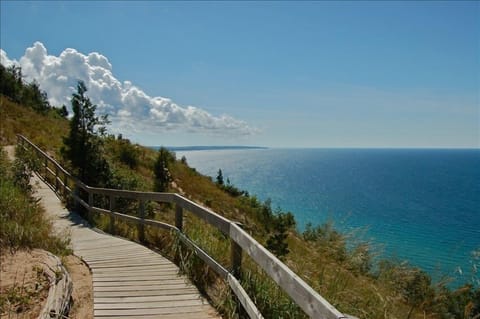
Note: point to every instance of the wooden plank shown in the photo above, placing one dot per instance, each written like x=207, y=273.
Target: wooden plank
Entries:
x=244, y=299
x=152, y=311
x=137, y=293
x=122, y=283
x=136, y=277
x=149, y=304
x=170, y=271
x=142, y=260
x=130, y=265
x=90, y=237
x=148, y=298
x=207, y=215
x=158, y=287
x=203, y=315
x=111, y=246
x=143, y=269
x=117, y=256
x=308, y=299
x=99, y=243
x=219, y=269
x=123, y=253
x=105, y=245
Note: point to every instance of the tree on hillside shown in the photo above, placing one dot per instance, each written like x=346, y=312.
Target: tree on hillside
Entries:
x=63, y=112
x=277, y=243
x=11, y=84
x=83, y=145
x=161, y=169
x=35, y=98
x=28, y=94
x=220, y=178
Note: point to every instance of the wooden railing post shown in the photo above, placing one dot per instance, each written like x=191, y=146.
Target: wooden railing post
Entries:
x=112, y=218
x=76, y=193
x=89, y=210
x=141, y=225
x=236, y=258
x=179, y=217
x=45, y=160
x=65, y=181
x=56, y=179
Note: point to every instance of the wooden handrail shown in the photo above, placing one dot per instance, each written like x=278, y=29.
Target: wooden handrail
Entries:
x=304, y=296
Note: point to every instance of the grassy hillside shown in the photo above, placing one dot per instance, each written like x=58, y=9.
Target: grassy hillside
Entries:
x=345, y=277
x=46, y=130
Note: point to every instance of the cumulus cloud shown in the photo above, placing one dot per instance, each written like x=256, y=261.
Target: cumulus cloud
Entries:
x=129, y=107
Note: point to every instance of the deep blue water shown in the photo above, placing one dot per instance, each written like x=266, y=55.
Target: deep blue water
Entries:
x=418, y=205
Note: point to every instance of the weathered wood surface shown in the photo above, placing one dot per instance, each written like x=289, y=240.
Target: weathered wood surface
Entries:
x=60, y=290
x=129, y=280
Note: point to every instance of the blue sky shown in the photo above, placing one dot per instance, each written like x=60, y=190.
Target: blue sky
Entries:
x=279, y=74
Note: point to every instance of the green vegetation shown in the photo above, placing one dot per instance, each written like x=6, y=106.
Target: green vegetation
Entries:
x=28, y=94
x=22, y=220
x=340, y=268
x=82, y=146
x=161, y=170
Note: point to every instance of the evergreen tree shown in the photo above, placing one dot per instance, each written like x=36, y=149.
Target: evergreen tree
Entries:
x=35, y=98
x=220, y=178
x=83, y=145
x=281, y=222
x=63, y=112
x=11, y=83
x=161, y=170
x=28, y=94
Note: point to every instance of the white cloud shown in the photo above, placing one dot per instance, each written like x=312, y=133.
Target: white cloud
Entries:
x=129, y=107
x=5, y=60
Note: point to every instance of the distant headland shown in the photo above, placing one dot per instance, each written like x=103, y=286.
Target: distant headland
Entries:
x=208, y=148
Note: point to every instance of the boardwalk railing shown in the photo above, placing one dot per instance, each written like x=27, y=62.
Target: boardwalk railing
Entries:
x=301, y=293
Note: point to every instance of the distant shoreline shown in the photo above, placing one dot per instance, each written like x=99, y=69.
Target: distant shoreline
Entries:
x=208, y=148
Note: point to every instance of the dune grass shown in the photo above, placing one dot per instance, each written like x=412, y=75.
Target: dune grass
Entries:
x=22, y=220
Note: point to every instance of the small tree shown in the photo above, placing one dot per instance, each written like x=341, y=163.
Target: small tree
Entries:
x=63, y=112
x=83, y=145
x=277, y=241
x=161, y=170
x=220, y=178
x=128, y=153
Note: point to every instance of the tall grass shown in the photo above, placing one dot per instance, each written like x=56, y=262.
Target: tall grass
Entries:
x=45, y=130
x=22, y=220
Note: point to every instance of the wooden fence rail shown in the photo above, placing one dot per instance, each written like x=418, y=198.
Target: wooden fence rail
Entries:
x=304, y=296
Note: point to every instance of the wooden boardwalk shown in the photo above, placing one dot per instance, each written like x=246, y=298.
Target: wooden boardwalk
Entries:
x=129, y=280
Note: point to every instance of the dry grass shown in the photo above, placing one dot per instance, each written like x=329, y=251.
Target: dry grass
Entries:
x=47, y=131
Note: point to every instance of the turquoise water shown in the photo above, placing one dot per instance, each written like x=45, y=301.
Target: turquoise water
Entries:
x=418, y=205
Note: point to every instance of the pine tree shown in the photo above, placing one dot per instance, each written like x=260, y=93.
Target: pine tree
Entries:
x=161, y=170
x=83, y=145
x=220, y=178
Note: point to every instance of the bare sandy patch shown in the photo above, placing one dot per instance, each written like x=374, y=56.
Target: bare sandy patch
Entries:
x=23, y=284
